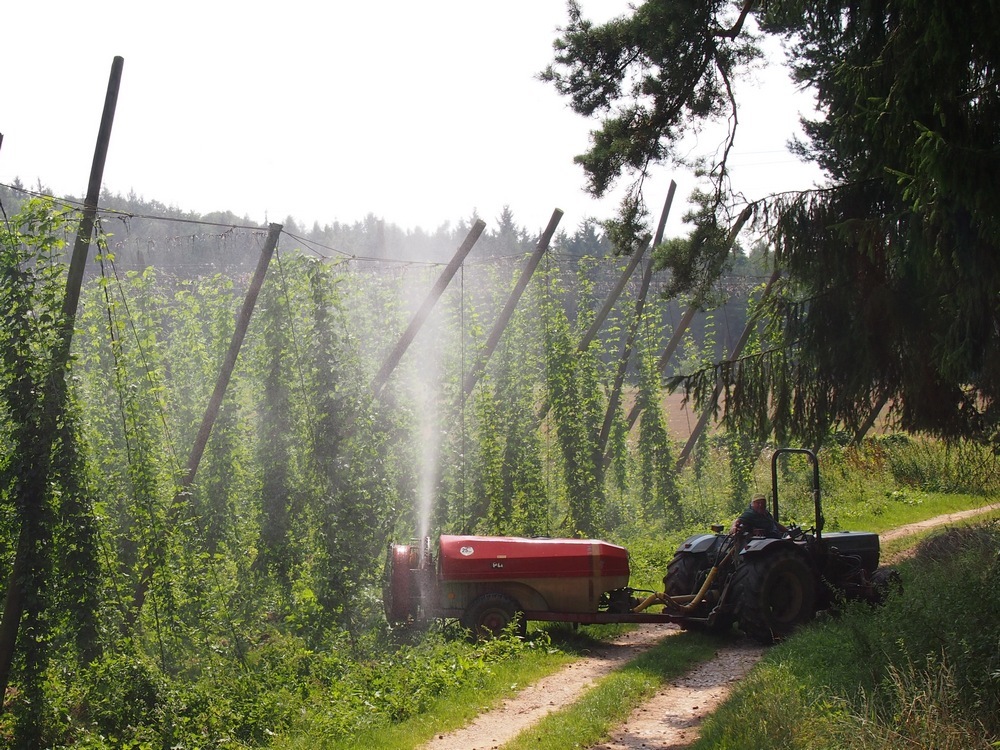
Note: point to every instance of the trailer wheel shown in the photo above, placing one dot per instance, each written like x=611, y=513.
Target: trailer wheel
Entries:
x=774, y=595
x=490, y=614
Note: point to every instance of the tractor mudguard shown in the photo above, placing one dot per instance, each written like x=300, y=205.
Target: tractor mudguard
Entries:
x=760, y=544
x=700, y=543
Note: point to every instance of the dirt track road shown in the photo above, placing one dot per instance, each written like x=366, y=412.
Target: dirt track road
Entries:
x=930, y=523
x=668, y=721
x=493, y=728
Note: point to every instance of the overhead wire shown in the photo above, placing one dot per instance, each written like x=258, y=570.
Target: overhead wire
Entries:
x=313, y=246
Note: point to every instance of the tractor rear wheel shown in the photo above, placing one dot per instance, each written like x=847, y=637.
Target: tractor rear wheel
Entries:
x=489, y=615
x=775, y=594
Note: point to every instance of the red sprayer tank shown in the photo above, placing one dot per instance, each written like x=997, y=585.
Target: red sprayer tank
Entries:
x=561, y=575
x=538, y=577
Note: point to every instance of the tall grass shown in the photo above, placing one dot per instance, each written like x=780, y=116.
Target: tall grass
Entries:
x=923, y=710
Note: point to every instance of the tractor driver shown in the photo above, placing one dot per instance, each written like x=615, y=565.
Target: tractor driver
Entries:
x=758, y=520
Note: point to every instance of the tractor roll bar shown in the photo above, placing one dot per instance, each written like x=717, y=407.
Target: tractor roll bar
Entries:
x=817, y=503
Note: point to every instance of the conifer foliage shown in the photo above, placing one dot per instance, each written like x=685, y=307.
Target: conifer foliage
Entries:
x=892, y=265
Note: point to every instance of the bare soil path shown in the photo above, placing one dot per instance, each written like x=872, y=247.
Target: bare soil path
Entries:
x=672, y=718
x=930, y=523
x=493, y=728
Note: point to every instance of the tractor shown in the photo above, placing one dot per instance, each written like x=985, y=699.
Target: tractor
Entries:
x=769, y=586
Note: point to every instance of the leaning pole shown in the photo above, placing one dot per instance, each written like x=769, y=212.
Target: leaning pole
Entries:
x=508, y=311
x=420, y=317
x=633, y=332
x=34, y=487
x=685, y=321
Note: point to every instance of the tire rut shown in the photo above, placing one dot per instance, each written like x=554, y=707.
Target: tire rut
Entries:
x=670, y=720
x=495, y=727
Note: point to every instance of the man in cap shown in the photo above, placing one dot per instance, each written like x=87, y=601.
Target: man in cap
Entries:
x=758, y=521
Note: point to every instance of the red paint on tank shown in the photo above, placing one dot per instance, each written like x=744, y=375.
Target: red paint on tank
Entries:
x=482, y=558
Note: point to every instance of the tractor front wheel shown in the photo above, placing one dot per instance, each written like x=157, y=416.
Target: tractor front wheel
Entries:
x=682, y=573
x=490, y=614
x=775, y=594
x=685, y=575
x=885, y=582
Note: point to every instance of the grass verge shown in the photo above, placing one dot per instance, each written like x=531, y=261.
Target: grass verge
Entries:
x=450, y=710
x=461, y=706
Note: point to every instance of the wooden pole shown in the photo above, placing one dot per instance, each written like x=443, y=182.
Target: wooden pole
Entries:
x=598, y=321
x=79, y=260
x=378, y=384
x=619, y=383
x=870, y=419
x=710, y=407
x=633, y=332
x=229, y=363
x=508, y=311
x=35, y=486
x=595, y=326
x=685, y=321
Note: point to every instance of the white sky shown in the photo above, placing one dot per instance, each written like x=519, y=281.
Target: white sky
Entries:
x=419, y=113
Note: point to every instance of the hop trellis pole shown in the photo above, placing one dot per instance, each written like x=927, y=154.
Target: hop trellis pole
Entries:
x=33, y=487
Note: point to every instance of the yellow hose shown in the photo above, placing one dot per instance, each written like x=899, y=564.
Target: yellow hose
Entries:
x=687, y=602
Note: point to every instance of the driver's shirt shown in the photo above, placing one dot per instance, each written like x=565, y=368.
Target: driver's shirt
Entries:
x=760, y=522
